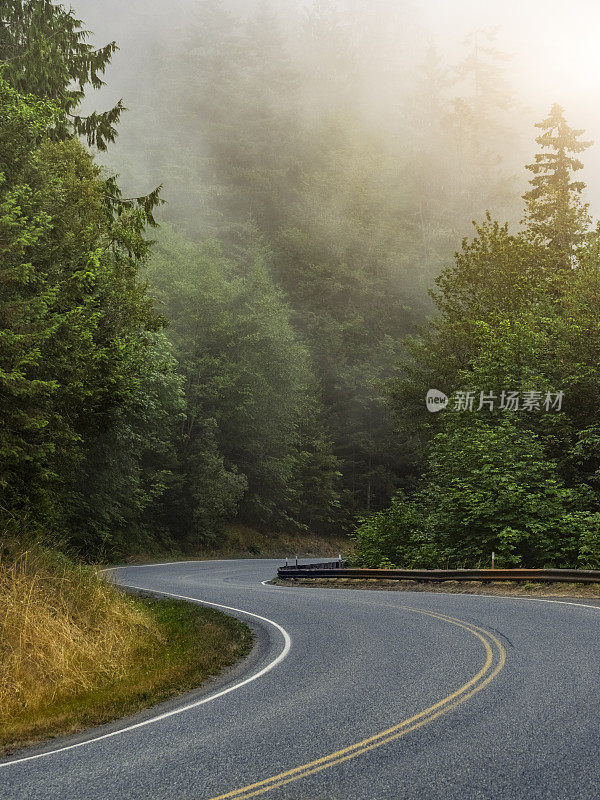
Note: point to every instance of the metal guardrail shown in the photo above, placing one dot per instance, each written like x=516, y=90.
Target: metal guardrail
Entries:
x=336, y=569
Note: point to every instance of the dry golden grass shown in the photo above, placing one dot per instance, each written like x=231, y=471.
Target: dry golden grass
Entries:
x=62, y=631
x=75, y=652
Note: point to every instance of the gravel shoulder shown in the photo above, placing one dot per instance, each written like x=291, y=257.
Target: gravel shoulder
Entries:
x=496, y=588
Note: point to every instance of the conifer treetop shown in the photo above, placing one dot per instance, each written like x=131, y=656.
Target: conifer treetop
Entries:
x=44, y=51
x=555, y=212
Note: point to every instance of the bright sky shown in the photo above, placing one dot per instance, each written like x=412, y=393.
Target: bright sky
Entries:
x=555, y=56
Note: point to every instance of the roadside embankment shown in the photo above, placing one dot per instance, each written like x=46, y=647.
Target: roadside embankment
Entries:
x=76, y=652
x=241, y=541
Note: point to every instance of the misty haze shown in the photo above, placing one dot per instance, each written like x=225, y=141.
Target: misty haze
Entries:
x=298, y=296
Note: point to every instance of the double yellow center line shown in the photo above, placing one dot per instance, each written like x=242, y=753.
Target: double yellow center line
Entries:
x=495, y=656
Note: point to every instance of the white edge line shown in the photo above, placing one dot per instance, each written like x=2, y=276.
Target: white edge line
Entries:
x=271, y=665
x=538, y=600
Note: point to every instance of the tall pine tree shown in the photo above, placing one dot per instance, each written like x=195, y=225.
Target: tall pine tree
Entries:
x=555, y=213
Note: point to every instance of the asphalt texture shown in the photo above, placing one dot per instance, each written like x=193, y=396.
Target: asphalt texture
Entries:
x=481, y=697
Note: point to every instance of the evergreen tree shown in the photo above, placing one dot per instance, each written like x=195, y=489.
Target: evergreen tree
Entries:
x=80, y=368
x=486, y=89
x=26, y=323
x=482, y=123
x=555, y=213
x=114, y=502
x=247, y=378
x=43, y=51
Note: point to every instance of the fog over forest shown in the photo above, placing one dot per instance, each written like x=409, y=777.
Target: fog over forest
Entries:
x=312, y=278
x=331, y=182
x=355, y=143
x=550, y=52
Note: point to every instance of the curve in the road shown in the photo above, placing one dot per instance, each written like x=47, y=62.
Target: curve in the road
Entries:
x=494, y=661
x=364, y=669
x=495, y=657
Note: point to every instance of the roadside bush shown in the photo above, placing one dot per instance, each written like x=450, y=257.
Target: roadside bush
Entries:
x=487, y=487
x=588, y=556
x=394, y=538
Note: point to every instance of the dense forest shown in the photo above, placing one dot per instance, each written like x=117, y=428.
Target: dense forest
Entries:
x=238, y=326
x=510, y=465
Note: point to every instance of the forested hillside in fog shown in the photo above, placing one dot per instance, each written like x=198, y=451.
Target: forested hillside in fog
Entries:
x=208, y=295
x=285, y=135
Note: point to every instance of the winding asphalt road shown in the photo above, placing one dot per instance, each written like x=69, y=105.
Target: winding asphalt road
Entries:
x=352, y=695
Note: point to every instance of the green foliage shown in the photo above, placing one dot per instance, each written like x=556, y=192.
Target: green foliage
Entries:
x=487, y=488
x=108, y=440
x=44, y=52
x=85, y=377
x=310, y=235
x=491, y=488
x=589, y=544
x=128, y=460
x=24, y=305
x=248, y=379
x=523, y=484
x=394, y=538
